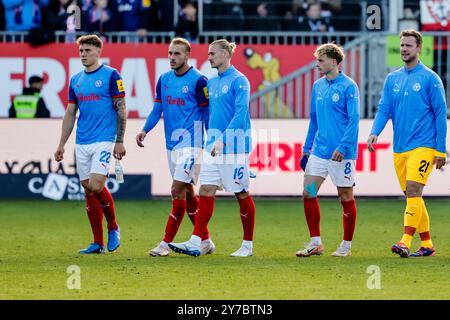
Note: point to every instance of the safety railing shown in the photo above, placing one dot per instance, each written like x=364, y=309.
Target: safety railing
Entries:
x=13, y=36
x=120, y=37
x=277, y=38
x=290, y=96
x=280, y=38
x=365, y=63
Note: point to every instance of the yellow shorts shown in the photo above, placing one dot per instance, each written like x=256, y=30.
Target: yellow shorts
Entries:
x=415, y=165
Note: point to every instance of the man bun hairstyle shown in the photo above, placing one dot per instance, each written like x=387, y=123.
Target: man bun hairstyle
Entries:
x=223, y=44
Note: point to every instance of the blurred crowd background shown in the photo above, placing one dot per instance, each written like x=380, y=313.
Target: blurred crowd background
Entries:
x=186, y=18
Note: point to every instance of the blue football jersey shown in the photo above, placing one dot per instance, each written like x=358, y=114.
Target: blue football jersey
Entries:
x=183, y=101
x=94, y=92
x=229, y=120
x=415, y=99
x=334, y=119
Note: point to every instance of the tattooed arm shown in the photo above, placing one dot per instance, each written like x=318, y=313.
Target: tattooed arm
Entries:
x=119, y=148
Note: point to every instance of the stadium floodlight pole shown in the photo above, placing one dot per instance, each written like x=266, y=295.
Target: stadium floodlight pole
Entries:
x=200, y=16
x=363, y=15
x=385, y=12
x=175, y=12
x=395, y=13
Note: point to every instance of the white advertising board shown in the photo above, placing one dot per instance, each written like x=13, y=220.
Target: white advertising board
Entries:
x=27, y=146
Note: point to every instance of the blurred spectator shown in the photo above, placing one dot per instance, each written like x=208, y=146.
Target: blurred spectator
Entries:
x=2, y=16
x=30, y=104
x=298, y=8
x=330, y=7
x=261, y=16
x=23, y=15
x=163, y=13
x=291, y=13
x=224, y=15
x=133, y=15
x=100, y=17
x=85, y=5
x=235, y=13
x=314, y=20
x=187, y=26
x=56, y=17
x=349, y=17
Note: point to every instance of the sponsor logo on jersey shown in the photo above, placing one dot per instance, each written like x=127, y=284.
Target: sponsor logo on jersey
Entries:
x=120, y=86
x=319, y=95
x=177, y=101
x=91, y=97
x=396, y=88
x=205, y=91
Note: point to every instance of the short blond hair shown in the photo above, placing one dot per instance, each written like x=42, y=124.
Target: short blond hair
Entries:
x=90, y=39
x=182, y=42
x=412, y=33
x=223, y=44
x=331, y=50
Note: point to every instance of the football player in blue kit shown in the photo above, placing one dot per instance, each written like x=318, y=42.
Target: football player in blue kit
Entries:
x=225, y=162
x=182, y=97
x=99, y=94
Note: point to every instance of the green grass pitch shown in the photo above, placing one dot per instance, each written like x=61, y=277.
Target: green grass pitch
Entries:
x=40, y=240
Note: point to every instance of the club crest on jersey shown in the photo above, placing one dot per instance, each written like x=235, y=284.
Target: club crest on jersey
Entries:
x=98, y=83
x=185, y=89
x=225, y=89
x=335, y=97
x=416, y=86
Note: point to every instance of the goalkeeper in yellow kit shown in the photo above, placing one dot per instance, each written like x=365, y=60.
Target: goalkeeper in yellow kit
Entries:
x=414, y=98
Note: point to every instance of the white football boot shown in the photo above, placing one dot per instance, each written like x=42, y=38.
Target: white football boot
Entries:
x=310, y=249
x=159, y=251
x=207, y=247
x=342, y=251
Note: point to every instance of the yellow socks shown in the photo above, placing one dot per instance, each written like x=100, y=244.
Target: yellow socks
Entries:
x=407, y=239
x=413, y=214
x=424, y=228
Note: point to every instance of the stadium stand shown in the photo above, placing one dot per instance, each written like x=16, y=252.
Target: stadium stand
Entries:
x=251, y=22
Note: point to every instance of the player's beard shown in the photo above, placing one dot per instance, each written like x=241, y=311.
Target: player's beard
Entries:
x=181, y=66
x=409, y=58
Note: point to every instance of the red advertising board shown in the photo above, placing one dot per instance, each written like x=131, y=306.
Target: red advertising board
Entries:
x=140, y=66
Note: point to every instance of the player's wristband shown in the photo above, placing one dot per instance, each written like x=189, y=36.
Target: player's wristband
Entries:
x=303, y=162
